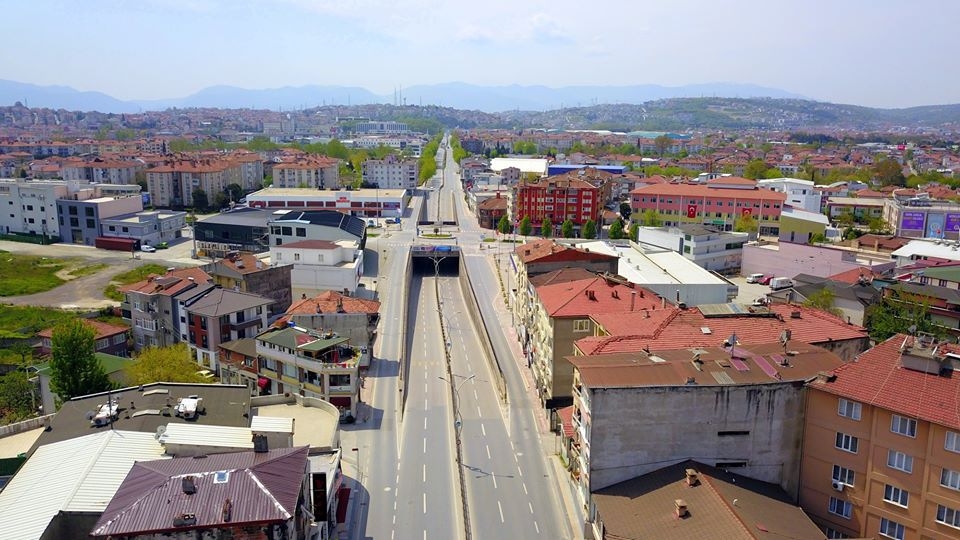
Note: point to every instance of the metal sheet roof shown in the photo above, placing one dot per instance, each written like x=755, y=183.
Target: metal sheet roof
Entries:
x=204, y=435
x=76, y=475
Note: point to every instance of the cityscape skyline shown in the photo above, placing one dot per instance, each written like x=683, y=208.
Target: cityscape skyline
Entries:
x=828, y=52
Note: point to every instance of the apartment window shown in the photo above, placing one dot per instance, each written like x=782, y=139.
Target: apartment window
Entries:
x=891, y=529
x=88, y=211
x=849, y=409
x=840, y=507
x=103, y=343
x=286, y=231
x=119, y=338
x=268, y=363
x=900, y=461
x=896, y=495
x=302, y=232
x=952, y=442
x=843, y=475
x=91, y=224
x=74, y=222
x=290, y=370
x=73, y=210
x=833, y=533
x=847, y=442
x=296, y=256
x=203, y=341
x=950, y=478
x=948, y=516
x=583, y=325
x=903, y=425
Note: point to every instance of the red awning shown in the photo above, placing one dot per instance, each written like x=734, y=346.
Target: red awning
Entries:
x=343, y=499
x=340, y=401
x=263, y=382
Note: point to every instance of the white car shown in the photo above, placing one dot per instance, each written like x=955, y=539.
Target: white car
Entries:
x=147, y=249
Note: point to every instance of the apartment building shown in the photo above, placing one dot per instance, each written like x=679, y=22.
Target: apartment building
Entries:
x=245, y=272
x=30, y=206
x=151, y=306
x=307, y=172
x=80, y=220
x=881, y=448
x=391, y=172
x=718, y=202
x=332, y=311
x=215, y=315
x=800, y=193
x=150, y=227
x=557, y=198
x=102, y=171
x=173, y=183
x=321, y=265
x=707, y=246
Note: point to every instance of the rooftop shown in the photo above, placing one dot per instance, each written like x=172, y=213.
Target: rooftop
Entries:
x=546, y=250
x=142, y=409
x=766, y=363
x=318, y=421
x=653, y=265
x=102, y=329
x=333, y=302
x=704, y=190
x=217, y=302
x=563, y=275
x=595, y=295
x=328, y=218
x=719, y=505
x=169, y=284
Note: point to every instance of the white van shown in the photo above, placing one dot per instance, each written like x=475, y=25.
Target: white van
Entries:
x=778, y=283
x=754, y=278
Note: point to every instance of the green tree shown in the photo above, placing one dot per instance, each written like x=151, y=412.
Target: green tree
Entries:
x=662, y=143
x=746, y=223
x=896, y=314
x=634, y=231
x=504, y=225
x=616, y=230
x=755, y=169
x=818, y=238
x=650, y=218
x=625, y=210
x=165, y=364
x=889, y=172
x=17, y=397
x=337, y=149
x=74, y=370
x=877, y=225
x=589, y=229
x=221, y=200
x=566, y=229
x=546, y=228
x=823, y=300
x=846, y=219
x=200, y=201
x=525, y=226
x=235, y=191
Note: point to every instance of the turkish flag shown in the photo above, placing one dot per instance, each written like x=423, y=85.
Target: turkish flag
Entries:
x=691, y=211
x=746, y=212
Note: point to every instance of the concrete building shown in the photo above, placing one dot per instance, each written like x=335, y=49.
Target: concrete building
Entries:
x=150, y=227
x=347, y=316
x=321, y=265
x=151, y=306
x=861, y=209
x=102, y=171
x=491, y=210
x=800, y=226
x=737, y=407
x=558, y=199
x=240, y=229
x=80, y=220
x=357, y=202
x=800, y=193
x=30, y=206
x=708, y=247
x=881, y=447
x=922, y=217
x=310, y=173
x=787, y=259
x=216, y=316
x=391, y=172
x=244, y=272
x=107, y=338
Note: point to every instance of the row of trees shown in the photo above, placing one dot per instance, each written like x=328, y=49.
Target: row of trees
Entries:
x=617, y=230
x=428, y=159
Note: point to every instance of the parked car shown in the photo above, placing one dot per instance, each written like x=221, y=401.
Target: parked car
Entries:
x=147, y=249
x=765, y=280
x=754, y=278
x=780, y=283
x=162, y=245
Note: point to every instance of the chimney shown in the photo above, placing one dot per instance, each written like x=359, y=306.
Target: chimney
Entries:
x=633, y=300
x=260, y=444
x=681, y=508
x=692, y=479
x=188, y=485
x=795, y=314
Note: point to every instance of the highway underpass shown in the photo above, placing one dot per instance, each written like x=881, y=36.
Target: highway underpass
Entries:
x=428, y=260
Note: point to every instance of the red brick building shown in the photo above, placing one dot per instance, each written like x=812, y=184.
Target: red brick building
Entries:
x=557, y=198
x=490, y=211
x=719, y=202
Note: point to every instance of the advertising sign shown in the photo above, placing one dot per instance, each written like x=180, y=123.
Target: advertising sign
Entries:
x=935, y=225
x=912, y=221
x=952, y=223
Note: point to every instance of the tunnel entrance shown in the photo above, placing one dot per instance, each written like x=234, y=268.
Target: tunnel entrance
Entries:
x=426, y=260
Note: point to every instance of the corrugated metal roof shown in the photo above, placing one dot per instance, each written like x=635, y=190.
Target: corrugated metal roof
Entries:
x=201, y=435
x=78, y=475
x=272, y=424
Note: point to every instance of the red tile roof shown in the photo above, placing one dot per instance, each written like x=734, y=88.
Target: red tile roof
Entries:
x=333, y=302
x=102, y=329
x=544, y=250
x=664, y=329
x=878, y=378
x=566, y=420
x=854, y=274
x=703, y=190
x=168, y=284
x=593, y=296
x=562, y=275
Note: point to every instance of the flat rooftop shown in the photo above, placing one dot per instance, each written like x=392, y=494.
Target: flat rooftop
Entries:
x=316, y=427
x=14, y=445
x=325, y=193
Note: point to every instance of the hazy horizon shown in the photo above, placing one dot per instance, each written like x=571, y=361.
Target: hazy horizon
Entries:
x=141, y=50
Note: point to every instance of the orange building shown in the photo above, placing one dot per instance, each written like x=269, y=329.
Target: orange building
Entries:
x=881, y=449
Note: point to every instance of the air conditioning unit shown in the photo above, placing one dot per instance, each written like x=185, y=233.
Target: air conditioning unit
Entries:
x=838, y=486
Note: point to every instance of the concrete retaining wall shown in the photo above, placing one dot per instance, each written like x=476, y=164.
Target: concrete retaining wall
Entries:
x=473, y=307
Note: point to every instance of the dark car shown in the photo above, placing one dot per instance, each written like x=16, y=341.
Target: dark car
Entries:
x=765, y=280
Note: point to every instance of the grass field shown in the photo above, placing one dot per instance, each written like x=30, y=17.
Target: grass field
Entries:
x=87, y=270
x=131, y=276
x=28, y=274
x=19, y=322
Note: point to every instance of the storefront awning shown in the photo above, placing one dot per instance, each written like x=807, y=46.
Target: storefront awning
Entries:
x=263, y=382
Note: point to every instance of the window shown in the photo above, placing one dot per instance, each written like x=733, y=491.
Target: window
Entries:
x=583, y=325
x=302, y=232
x=891, y=529
x=290, y=370
x=950, y=478
x=952, y=442
x=903, y=425
x=296, y=256
x=203, y=341
x=286, y=231
x=73, y=210
x=948, y=516
x=843, y=475
x=832, y=533
x=849, y=409
x=847, y=442
x=268, y=363
x=74, y=222
x=91, y=224
x=119, y=338
x=103, y=343
x=896, y=495
x=88, y=211
x=840, y=507
x=899, y=461
x=733, y=433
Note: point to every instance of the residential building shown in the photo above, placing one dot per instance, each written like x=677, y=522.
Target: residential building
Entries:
x=942, y=303
x=927, y=252
x=735, y=407
x=174, y=183
x=356, y=202
x=348, y=316
x=30, y=206
x=800, y=226
x=706, y=246
x=265, y=494
x=245, y=272
x=800, y=193
x=80, y=220
x=102, y=171
x=694, y=500
x=313, y=172
x=491, y=210
x=151, y=306
x=108, y=338
x=720, y=202
x=525, y=166
x=313, y=364
x=560, y=315
x=558, y=199
x=240, y=229
x=382, y=127
x=150, y=227
x=391, y=172
x=861, y=209
x=921, y=216
x=881, y=446
x=216, y=316
x=321, y=265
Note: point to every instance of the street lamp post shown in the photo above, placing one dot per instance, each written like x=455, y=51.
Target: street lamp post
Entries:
x=458, y=422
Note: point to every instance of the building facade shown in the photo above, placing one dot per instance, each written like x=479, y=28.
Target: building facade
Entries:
x=311, y=173
x=800, y=193
x=707, y=246
x=216, y=316
x=558, y=199
x=358, y=202
x=391, y=172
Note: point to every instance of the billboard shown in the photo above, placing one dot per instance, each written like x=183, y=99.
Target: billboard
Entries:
x=935, y=226
x=912, y=221
x=952, y=223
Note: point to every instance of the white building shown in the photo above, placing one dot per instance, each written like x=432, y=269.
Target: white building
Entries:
x=708, y=247
x=320, y=265
x=357, y=202
x=30, y=206
x=316, y=173
x=391, y=172
x=800, y=193
x=536, y=166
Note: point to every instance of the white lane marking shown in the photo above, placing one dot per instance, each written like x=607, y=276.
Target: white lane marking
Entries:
x=424, y=422
x=476, y=395
x=530, y=504
x=424, y=445
x=520, y=472
x=494, y=480
x=394, y=519
x=483, y=430
x=392, y=532
x=424, y=472
x=424, y=505
x=424, y=535
x=479, y=412
x=488, y=451
x=500, y=508
x=424, y=403
x=537, y=527
x=524, y=484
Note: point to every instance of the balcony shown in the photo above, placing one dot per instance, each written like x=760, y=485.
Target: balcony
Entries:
x=271, y=373
x=286, y=379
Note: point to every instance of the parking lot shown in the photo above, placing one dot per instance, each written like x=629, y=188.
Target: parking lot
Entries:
x=749, y=291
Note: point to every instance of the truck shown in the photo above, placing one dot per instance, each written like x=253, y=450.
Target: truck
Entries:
x=117, y=244
x=778, y=283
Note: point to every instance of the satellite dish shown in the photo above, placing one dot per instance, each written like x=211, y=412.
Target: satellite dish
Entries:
x=89, y=416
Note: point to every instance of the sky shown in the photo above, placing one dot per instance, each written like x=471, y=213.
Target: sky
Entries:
x=879, y=53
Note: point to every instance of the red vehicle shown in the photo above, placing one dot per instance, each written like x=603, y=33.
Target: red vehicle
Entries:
x=118, y=244
x=765, y=280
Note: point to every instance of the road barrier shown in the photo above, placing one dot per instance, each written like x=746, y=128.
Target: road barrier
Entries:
x=473, y=307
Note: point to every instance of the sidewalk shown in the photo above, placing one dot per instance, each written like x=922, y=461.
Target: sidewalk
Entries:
x=556, y=470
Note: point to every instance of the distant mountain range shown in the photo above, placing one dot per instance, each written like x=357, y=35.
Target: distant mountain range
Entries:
x=455, y=95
